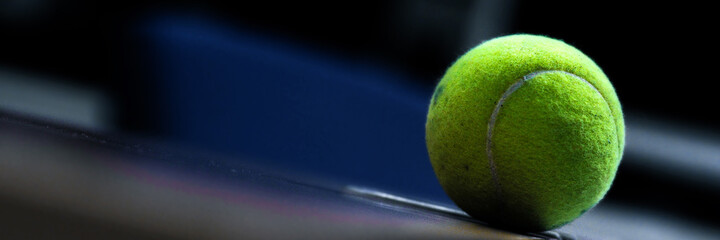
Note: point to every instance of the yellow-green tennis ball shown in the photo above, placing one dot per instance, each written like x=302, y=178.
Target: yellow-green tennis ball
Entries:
x=525, y=132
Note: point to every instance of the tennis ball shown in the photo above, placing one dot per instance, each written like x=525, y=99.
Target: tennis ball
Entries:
x=525, y=132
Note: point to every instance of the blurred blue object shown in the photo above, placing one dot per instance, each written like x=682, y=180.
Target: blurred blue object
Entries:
x=289, y=107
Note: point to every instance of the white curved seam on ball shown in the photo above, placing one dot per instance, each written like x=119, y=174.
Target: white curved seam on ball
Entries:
x=604, y=100
x=491, y=123
x=607, y=104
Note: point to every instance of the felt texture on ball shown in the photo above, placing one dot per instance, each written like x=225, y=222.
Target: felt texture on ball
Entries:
x=525, y=132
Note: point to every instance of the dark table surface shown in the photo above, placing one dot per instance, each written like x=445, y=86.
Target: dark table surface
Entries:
x=60, y=182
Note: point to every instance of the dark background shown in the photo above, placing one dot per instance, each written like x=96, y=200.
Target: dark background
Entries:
x=659, y=57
